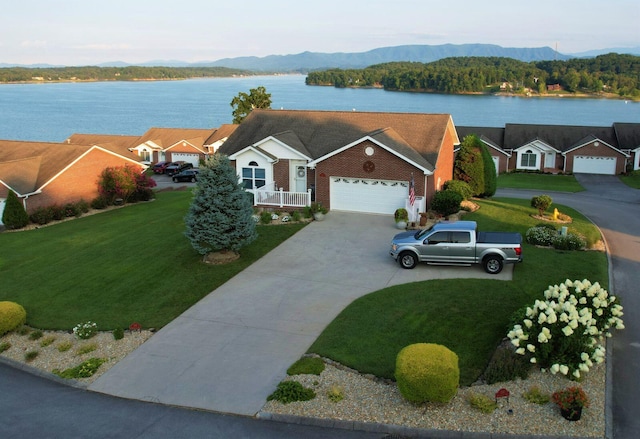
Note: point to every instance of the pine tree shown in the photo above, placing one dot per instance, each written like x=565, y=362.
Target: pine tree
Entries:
x=220, y=215
x=14, y=215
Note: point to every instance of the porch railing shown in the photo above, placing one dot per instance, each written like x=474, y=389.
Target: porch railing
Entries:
x=281, y=198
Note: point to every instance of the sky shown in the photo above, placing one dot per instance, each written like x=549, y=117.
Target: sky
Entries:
x=86, y=32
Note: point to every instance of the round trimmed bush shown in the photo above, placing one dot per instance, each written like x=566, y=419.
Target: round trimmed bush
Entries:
x=460, y=187
x=427, y=372
x=12, y=316
x=446, y=202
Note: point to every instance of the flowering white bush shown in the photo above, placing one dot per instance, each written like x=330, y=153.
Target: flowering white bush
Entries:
x=85, y=330
x=564, y=332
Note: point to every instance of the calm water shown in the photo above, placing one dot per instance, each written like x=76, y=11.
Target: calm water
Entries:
x=52, y=112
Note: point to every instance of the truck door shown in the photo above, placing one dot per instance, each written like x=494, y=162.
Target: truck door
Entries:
x=461, y=248
x=435, y=247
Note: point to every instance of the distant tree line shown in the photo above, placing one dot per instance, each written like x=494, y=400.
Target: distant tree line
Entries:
x=611, y=73
x=129, y=73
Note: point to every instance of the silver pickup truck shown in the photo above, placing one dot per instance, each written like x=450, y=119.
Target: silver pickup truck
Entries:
x=457, y=243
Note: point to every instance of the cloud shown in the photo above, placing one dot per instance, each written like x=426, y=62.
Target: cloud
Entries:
x=33, y=43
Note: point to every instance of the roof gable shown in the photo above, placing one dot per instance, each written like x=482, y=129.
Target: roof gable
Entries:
x=323, y=132
x=592, y=140
x=164, y=138
x=559, y=137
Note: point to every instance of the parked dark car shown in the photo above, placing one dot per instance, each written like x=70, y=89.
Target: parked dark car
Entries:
x=186, y=175
x=177, y=167
x=160, y=167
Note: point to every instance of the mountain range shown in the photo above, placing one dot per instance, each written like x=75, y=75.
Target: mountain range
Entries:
x=307, y=61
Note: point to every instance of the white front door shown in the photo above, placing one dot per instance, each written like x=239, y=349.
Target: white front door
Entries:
x=298, y=180
x=549, y=159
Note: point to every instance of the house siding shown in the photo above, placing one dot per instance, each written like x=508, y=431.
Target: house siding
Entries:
x=79, y=182
x=349, y=163
x=600, y=151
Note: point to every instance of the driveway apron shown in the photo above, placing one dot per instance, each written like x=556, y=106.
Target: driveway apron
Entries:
x=229, y=351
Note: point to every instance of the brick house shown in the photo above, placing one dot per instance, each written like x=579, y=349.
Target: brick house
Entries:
x=352, y=161
x=42, y=174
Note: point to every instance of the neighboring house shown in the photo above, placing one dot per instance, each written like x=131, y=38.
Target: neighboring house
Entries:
x=42, y=174
x=352, y=161
x=493, y=139
x=119, y=144
x=628, y=135
x=560, y=148
x=180, y=144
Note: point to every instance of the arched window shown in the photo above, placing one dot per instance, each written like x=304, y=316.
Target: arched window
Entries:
x=253, y=177
x=528, y=159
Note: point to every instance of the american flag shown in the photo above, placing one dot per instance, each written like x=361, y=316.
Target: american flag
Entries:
x=412, y=191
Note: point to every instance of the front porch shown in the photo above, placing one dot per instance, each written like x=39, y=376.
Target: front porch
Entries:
x=280, y=198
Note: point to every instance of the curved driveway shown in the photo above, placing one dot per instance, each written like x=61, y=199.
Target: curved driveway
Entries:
x=230, y=350
x=615, y=208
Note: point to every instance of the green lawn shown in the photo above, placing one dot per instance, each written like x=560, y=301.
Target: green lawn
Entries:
x=543, y=182
x=468, y=316
x=127, y=265
x=632, y=179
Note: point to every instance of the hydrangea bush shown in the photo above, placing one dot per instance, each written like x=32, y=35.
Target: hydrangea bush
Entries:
x=565, y=331
x=85, y=330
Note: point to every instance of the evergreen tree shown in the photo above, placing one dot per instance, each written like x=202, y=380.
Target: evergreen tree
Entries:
x=220, y=215
x=14, y=215
x=468, y=165
x=490, y=175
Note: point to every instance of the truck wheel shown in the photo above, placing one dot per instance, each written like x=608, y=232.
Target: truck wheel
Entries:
x=492, y=264
x=408, y=260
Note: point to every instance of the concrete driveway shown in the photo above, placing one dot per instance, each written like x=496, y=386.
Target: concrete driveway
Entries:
x=228, y=352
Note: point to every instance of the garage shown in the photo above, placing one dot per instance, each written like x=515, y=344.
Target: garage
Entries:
x=594, y=165
x=194, y=159
x=2, y=203
x=368, y=196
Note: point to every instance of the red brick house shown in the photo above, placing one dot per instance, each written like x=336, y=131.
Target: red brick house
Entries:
x=353, y=161
x=180, y=144
x=42, y=174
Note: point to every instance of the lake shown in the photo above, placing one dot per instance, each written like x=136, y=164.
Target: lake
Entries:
x=52, y=112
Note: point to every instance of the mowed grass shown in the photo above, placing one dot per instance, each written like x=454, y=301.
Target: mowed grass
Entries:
x=121, y=266
x=632, y=179
x=469, y=316
x=543, y=182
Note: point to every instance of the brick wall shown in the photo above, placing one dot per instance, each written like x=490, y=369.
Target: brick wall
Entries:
x=350, y=163
x=281, y=174
x=444, y=167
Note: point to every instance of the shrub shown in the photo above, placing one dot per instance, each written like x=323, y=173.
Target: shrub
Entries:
x=85, y=369
x=4, y=346
x=460, y=187
x=541, y=236
x=307, y=212
x=335, y=393
x=547, y=226
x=42, y=216
x=265, y=217
x=427, y=372
x=490, y=174
x=291, y=391
x=482, y=402
x=564, y=331
x=12, y=316
x=30, y=356
x=306, y=365
x=569, y=242
x=14, y=216
x=118, y=334
x=35, y=335
x=446, y=202
x=126, y=183
x=468, y=165
x=64, y=346
x=85, y=349
x=401, y=214
x=536, y=396
x=47, y=341
x=506, y=365
x=295, y=216
x=71, y=210
x=542, y=203
x=99, y=202
x=85, y=330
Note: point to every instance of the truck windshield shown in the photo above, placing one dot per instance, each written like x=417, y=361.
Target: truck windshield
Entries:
x=420, y=233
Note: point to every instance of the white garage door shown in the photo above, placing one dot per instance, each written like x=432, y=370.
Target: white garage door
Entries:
x=194, y=159
x=370, y=196
x=496, y=163
x=2, y=200
x=594, y=165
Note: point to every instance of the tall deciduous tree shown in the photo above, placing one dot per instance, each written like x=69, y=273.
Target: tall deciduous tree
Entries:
x=244, y=103
x=220, y=215
x=14, y=215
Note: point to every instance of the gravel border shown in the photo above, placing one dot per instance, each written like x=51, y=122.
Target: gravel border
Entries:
x=371, y=403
